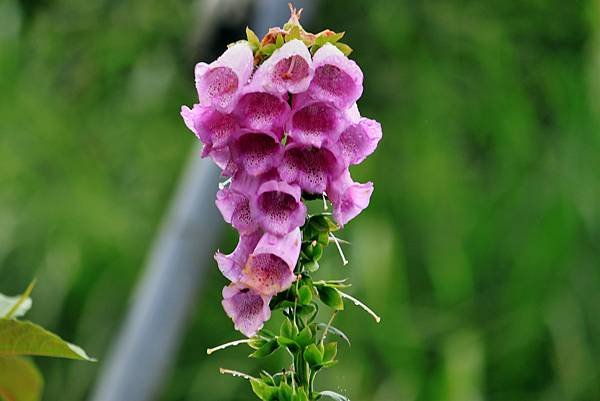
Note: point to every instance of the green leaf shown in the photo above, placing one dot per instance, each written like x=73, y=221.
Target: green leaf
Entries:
x=263, y=390
x=266, y=349
x=305, y=337
x=311, y=266
x=293, y=34
x=286, y=392
x=331, y=297
x=335, y=331
x=19, y=379
x=335, y=396
x=25, y=338
x=305, y=295
x=318, y=251
x=330, y=352
x=287, y=329
x=312, y=355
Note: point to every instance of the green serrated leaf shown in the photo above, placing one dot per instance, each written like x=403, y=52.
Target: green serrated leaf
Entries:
x=20, y=380
x=331, y=297
x=26, y=338
x=266, y=349
x=344, y=48
x=330, y=351
x=263, y=390
x=313, y=355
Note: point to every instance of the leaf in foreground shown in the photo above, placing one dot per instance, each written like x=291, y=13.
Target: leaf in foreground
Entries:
x=19, y=379
x=25, y=338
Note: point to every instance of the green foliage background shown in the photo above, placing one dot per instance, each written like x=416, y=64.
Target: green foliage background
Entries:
x=481, y=246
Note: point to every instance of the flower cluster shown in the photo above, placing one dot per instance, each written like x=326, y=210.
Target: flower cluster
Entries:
x=281, y=131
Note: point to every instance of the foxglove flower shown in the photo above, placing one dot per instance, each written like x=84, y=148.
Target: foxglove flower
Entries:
x=278, y=207
x=235, y=208
x=232, y=265
x=309, y=167
x=337, y=78
x=289, y=69
x=247, y=308
x=220, y=82
x=270, y=267
x=213, y=128
x=256, y=152
x=316, y=122
x=262, y=111
x=349, y=198
x=359, y=139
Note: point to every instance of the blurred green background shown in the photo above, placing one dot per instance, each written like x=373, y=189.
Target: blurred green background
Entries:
x=481, y=248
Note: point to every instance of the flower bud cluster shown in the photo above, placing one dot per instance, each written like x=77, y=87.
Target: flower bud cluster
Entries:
x=281, y=131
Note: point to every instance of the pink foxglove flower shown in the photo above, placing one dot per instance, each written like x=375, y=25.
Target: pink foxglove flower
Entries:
x=309, y=167
x=337, y=78
x=316, y=122
x=278, y=207
x=349, y=198
x=256, y=152
x=289, y=69
x=270, y=268
x=220, y=82
x=260, y=110
x=232, y=265
x=359, y=139
x=248, y=309
x=213, y=128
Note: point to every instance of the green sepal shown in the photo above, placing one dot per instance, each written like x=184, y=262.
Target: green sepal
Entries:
x=253, y=40
x=330, y=297
x=344, y=48
x=311, y=266
x=313, y=355
x=279, y=41
x=263, y=390
x=330, y=351
x=266, y=349
x=268, y=49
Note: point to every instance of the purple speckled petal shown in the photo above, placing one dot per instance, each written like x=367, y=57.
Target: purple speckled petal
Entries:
x=278, y=207
x=248, y=309
x=349, y=198
x=256, y=152
x=309, y=167
x=289, y=69
x=337, y=78
x=260, y=110
x=231, y=265
x=359, y=140
x=212, y=127
x=220, y=82
x=270, y=268
x=316, y=122
x=235, y=208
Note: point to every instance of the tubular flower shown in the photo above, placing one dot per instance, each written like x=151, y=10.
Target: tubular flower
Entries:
x=220, y=82
x=289, y=69
x=359, y=139
x=278, y=207
x=256, y=152
x=212, y=127
x=248, y=309
x=260, y=110
x=349, y=198
x=270, y=268
x=337, y=78
x=315, y=123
